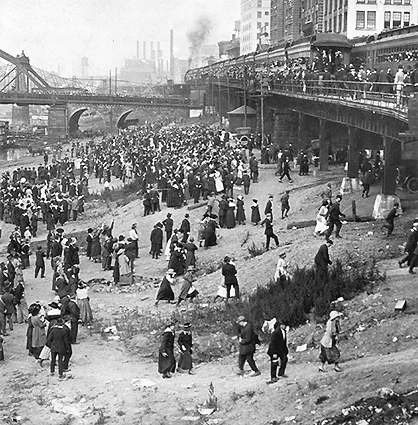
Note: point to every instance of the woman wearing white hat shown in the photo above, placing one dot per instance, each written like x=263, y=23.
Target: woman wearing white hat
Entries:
x=329, y=351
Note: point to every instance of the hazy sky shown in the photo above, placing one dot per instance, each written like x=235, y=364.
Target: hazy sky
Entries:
x=56, y=34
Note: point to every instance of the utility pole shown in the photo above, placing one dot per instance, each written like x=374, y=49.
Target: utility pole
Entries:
x=245, y=95
x=110, y=82
x=220, y=103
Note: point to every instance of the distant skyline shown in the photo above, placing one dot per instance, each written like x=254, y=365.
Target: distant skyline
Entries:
x=56, y=34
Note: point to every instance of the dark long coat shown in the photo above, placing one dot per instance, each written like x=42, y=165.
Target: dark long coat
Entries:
x=167, y=364
x=277, y=344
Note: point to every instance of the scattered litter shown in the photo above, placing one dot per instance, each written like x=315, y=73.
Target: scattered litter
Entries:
x=301, y=348
x=400, y=305
x=143, y=383
x=190, y=418
x=385, y=392
x=395, y=339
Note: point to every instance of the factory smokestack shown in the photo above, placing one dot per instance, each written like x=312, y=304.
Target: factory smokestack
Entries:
x=172, y=55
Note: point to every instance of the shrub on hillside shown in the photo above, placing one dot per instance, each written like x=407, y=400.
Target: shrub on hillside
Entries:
x=255, y=250
x=294, y=298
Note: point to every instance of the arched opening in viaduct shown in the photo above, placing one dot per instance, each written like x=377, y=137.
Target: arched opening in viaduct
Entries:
x=121, y=122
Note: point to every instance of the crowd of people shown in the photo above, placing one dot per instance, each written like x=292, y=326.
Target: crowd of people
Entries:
x=326, y=73
x=173, y=165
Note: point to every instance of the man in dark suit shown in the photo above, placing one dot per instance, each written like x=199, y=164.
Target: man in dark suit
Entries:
x=269, y=207
x=248, y=339
x=333, y=217
x=230, y=274
x=60, y=346
x=278, y=351
x=322, y=259
x=268, y=221
x=185, y=228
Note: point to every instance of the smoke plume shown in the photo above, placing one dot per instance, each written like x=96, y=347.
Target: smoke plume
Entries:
x=198, y=34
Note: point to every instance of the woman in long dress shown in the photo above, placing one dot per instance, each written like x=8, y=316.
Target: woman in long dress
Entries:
x=38, y=331
x=321, y=222
x=230, y=214
x=190, y=248
x=240, y=210
x=329, y=351
x=125, y=271
x=218, y=182
x=165, y=292
x=255, y=212
x=185, y=342
x=166, y=359
x=96, y=249
x=83, y=302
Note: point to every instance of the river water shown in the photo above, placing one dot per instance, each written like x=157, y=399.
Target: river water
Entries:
x=7, y=155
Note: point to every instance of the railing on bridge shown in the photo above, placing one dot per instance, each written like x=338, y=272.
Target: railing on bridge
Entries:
x=58, y=98
x=393, y=99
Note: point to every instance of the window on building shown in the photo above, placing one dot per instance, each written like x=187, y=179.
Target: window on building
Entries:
x=361, y=1
x=335, y=24
x=326, y=26
x=388, y=2
x=345, y=22
x=266, y=24
x=371, y=19
x=407, y=2
x=259, y=3
x=386, y=20
x=259, y=15
x=371, y=1
x=340, y=22
x=335, y=4
x=258, y=24
x=397, y=16
x=360, y=19
x=406, y=18
x=397, y=1
x=326, y=9
x=266, y=13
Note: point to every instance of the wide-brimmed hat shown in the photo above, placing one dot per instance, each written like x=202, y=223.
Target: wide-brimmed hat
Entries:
x=171, y=271
x=187, y=325
x=282, y=255
x=241, y=319
x=334, y=314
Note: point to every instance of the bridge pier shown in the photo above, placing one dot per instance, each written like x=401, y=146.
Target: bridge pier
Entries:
x=323, y=146
x=20, y=115
x=286, y=128
x=351, y=183
x=57, y=123
x=392, y=152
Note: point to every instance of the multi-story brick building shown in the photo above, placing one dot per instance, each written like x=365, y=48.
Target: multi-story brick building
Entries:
x=255, y=20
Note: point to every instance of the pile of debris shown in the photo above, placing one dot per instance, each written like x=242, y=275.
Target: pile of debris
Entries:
x=385, y=408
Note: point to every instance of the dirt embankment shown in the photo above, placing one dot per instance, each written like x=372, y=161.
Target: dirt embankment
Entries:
x=116, y=382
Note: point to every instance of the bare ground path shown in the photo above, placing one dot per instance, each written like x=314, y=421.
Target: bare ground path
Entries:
x=105, y=384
